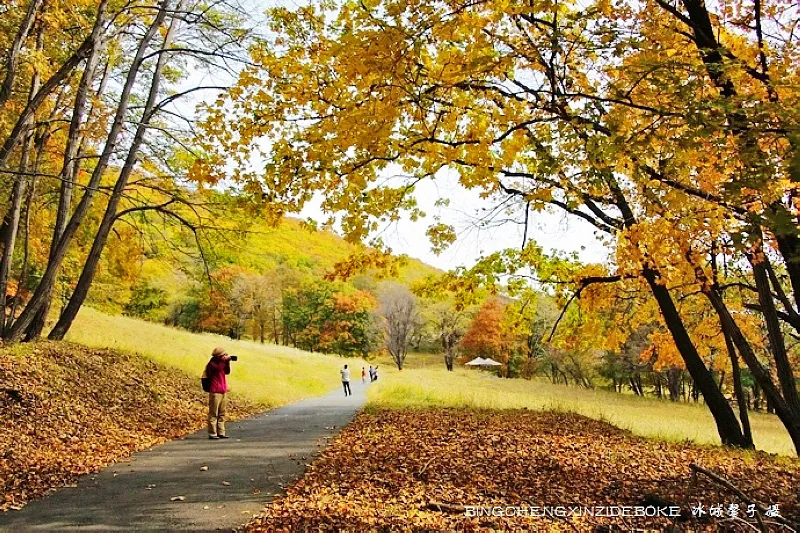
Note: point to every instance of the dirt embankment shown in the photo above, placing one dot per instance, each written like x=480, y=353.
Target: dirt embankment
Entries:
x=69, y=410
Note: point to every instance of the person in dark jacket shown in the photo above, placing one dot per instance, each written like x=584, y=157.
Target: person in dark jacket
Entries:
x=217, y=368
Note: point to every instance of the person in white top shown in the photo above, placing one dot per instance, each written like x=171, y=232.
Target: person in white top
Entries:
x=346, y=381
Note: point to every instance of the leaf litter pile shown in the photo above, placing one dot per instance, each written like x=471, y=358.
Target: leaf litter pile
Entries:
x=417, y=470
x=70, y=410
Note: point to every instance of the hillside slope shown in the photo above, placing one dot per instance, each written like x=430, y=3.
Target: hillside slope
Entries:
x=266, y=374
x=168, y=268
x=120, y=385
x=70, y=410
x=434, y=387
x=292, y=242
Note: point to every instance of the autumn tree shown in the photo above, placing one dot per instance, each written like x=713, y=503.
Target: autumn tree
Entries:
x=447, y=325
x=259, y=297
x=221, y=309
x=327, y=317
x=111, y=73
x=351, y=329
x=401, y=318
x=484, y=338
x=667, y=127
x=304, y=309
x=184, y=33
x=256, y=300
x=528, y=321
x=634, y=359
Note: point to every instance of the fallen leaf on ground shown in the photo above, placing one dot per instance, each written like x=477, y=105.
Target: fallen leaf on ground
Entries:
x=75, y=410
x=416, y=470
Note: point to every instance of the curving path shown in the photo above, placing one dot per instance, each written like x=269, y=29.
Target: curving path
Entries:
x=264, y=453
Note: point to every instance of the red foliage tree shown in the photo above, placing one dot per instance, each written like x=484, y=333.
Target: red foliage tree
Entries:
x=484, y=338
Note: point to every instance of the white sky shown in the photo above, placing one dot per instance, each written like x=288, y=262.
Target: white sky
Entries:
x=549, y=230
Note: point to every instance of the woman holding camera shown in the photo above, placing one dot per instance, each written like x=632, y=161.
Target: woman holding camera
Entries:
x=217, y=368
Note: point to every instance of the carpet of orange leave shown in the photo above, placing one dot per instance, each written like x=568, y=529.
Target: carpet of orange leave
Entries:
x=384, y=469
x=70, y=410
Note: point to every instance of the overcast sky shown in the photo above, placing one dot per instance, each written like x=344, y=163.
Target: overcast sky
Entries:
x=549, y=230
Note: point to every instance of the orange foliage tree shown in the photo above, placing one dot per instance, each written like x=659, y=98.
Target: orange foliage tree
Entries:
x=218, y=312
x=484, y=338
x=350, y=328
x=326, y=317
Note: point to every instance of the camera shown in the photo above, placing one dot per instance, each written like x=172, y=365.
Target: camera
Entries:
x=234, y=358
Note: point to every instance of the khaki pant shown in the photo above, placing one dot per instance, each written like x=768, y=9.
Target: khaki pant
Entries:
x=217, y=408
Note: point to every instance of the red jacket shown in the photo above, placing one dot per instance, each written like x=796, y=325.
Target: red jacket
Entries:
x=216, y=369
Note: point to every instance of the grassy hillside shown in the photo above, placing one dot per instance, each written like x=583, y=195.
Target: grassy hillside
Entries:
x=163, y=279
x=435, y=387
x=271, y=375
x=260, y=249
x=266, y=374
x=294, y=243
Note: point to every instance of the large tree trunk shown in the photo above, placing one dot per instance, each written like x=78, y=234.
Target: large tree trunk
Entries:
x=736, y=375
x=398, y=358
x=18, y=193
x=449, y=357
x=674, y=383
x=14, y=211
x=70, y=165
x=16, y=48
x=776, y=343
x=110, y=215
x=42, y=291
x=23, y=276
x=776, y=214
x=449, y=341
x=789, y=247
x=730, y=431
x=41, y=140
x=789, y=418
x=756, y=396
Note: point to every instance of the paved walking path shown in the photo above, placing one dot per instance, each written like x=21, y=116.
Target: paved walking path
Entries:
x=263, y=453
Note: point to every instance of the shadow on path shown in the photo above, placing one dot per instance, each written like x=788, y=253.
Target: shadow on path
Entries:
x=264, y=452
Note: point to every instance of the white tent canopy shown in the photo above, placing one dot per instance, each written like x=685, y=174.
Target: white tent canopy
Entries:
x=480, y=361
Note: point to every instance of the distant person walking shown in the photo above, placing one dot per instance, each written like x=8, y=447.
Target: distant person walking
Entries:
x=346, y=381
x=363, y=375
x=371, y=373
x=217, y=368
x=375, y=374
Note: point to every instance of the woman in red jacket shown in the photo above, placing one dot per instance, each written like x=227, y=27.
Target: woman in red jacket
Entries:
x=217, y=368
